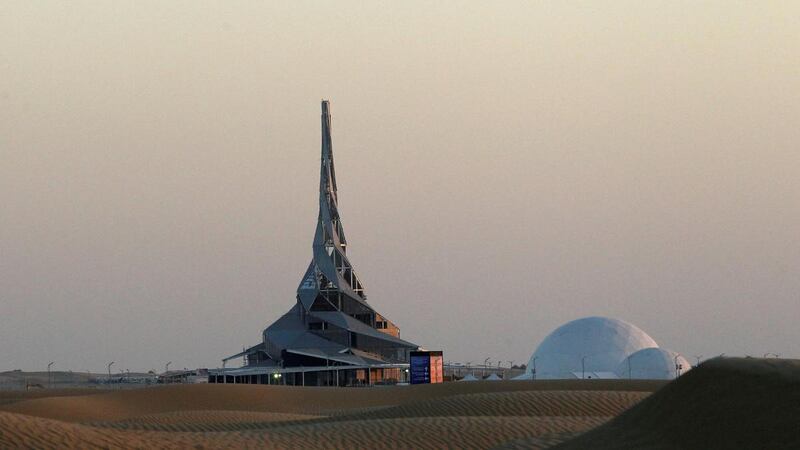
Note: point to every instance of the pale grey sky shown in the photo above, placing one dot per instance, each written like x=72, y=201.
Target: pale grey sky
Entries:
x=503, y=168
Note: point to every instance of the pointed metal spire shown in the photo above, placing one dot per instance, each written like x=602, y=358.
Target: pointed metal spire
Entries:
x=331, y=319
x=330, y=283
x=328, y=196
x=327, y=179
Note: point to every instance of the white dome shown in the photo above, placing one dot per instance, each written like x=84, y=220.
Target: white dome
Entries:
x=652, y=364
x=600, y=342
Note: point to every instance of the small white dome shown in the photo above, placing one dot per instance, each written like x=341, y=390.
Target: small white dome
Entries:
x=600, y=343
x=653, y=364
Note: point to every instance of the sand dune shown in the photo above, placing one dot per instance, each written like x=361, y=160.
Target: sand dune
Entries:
x=19, y=431
x=9, y=397
x=204, y=420
x=121, y=405
x=724, y=403
x=456, y=415
x=513, y=404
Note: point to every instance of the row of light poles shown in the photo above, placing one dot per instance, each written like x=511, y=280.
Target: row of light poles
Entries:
x=678, y=367
x=108, y=368
x=484, y=367
x=127, y=371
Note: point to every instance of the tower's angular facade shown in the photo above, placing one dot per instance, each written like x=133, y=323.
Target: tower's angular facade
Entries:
x=331, y=324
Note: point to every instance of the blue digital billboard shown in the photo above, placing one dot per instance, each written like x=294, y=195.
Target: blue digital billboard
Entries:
x=426, y=367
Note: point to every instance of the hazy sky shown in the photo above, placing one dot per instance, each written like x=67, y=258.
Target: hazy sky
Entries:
x=502, y=169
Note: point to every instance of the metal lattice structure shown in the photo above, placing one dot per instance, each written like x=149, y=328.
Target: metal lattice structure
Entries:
x=330, y=283
x=331, y=322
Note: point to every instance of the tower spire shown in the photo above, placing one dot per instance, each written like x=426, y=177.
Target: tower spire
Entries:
x=327, y=178
x=331, y=320
x=330, y=281
x=328, y=196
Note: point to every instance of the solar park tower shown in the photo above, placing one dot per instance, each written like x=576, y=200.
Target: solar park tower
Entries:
x=331, y=335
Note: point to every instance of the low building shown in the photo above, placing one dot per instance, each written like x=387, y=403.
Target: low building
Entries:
x=189, y=376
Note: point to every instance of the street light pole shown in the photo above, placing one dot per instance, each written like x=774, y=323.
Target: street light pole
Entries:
x=109, y=371
x=485, y=363
x=166, y=369
x=583, y=367
x=677, y=366
x=49, y=384
x=630, y=371
x=534, y=366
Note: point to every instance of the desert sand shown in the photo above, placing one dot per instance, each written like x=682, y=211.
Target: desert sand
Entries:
x=451, y=415
x=730, y=403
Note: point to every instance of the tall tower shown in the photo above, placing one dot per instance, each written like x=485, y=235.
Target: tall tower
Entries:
x=331, y=321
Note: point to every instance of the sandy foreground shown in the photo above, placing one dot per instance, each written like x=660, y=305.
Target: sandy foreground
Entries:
x=731, y=403
x=451, y=415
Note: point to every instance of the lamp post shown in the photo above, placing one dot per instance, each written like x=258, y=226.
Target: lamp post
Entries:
x=630, y=371
x=166, y=369
x=678, y=367
x=533, y=372
x=583, y=367
x=485, y=363
x=109, y=371
x=48, y=374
